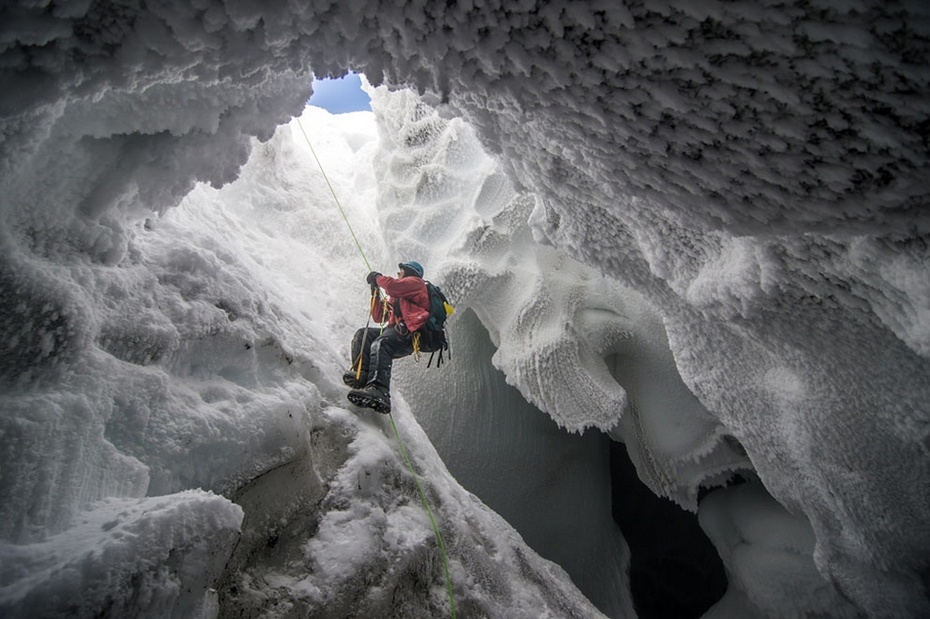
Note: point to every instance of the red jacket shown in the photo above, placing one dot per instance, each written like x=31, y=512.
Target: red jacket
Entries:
x=413, y=297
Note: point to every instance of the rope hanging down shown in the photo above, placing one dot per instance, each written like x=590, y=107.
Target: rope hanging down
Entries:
x=335, y=198
x=400, y=443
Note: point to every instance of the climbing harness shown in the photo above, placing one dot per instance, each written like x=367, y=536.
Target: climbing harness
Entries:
x=400, y=443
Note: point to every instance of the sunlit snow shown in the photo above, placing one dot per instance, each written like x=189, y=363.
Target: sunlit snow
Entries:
x=699, y=229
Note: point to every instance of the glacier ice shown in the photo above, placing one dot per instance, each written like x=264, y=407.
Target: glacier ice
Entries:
x=726, y=197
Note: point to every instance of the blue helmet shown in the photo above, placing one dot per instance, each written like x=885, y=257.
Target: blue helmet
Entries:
x=413, y=266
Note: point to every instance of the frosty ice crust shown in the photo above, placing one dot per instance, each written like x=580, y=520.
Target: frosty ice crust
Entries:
x=753, y=172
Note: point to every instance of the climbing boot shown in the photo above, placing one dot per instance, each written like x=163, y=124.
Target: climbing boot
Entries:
x=356, y=383
x=373, y=396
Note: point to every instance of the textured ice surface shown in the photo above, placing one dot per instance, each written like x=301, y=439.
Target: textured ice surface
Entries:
x=156, y=556
x=210, y=358
x=754, y=172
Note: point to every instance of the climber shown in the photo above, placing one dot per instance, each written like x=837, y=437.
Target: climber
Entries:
x=405, y=309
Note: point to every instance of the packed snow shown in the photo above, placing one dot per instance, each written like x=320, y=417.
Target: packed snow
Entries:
x=696, y=228
x=232, y=385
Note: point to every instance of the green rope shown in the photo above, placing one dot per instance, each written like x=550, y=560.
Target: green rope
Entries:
x=332, y=191
x=400, y=443
x=442, y=546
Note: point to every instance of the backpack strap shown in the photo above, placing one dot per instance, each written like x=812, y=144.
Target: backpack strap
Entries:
x=439, y=359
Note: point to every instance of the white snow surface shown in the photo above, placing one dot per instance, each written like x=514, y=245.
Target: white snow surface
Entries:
x=699, y=227
x=230, y=384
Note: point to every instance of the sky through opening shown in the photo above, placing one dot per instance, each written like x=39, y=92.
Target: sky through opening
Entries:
x=341, y=95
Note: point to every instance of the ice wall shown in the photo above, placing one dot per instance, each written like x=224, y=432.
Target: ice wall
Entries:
x=195, y=457
x=558, y=332
x=553, y=487
x=754, y=171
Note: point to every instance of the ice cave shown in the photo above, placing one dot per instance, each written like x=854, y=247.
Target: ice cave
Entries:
x=688, y=244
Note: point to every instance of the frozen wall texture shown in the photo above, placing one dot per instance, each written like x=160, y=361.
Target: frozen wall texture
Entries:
x=732, y=194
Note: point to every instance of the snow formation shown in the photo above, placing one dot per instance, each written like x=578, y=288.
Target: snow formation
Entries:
x=701, y=228
x=230, y=384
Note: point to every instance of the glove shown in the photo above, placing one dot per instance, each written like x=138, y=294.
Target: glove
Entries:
x=371, y=279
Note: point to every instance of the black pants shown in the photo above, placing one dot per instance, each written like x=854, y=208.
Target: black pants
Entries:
x=378, y=354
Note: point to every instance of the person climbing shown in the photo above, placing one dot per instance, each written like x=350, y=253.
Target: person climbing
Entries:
x=405, y=309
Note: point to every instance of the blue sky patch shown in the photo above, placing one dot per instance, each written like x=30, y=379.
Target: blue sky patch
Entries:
x=340, y=95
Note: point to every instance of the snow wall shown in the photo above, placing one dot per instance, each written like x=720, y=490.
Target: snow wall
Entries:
x=730, y=194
